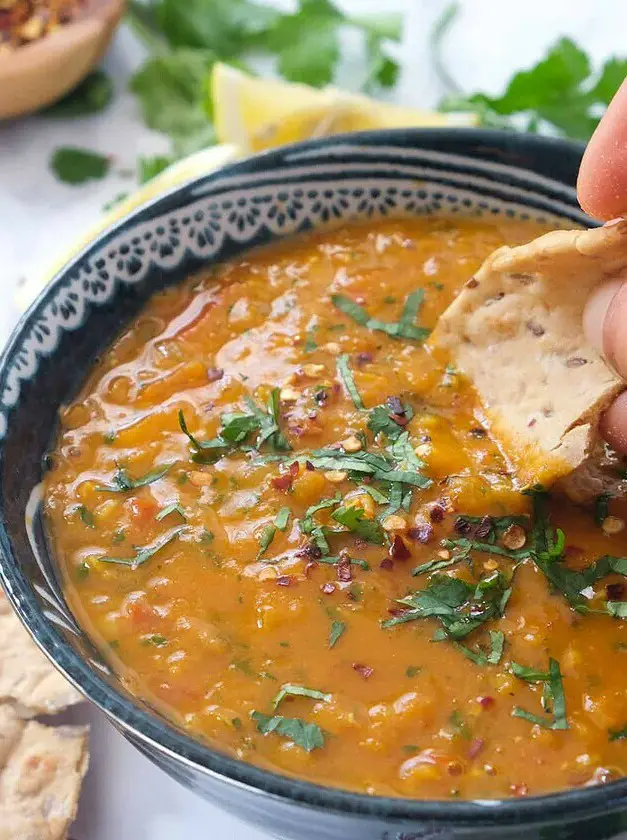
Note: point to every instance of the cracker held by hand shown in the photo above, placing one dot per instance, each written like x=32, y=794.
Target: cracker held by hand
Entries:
x=516, y=332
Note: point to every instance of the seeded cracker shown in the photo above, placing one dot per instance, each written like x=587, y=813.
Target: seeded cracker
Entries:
x=516, y=332
x=41, y=766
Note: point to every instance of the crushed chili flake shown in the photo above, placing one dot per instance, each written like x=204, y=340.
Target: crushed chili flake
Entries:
x=422, y=533
x=478, y=433
x=282, y=482
x=363, y=358
x=294, y=468
x=214, y=374
x=398, y=550
x=285, y=580
x=614, y=591
x=519, y=790
x=476, y=746
x=485, y=701
x=386, y=563
x=396, y=406
x=328, y=588
x=479, y=530
x=364, y=670
x=309, y=466
x=344, y=573
x=436, y=513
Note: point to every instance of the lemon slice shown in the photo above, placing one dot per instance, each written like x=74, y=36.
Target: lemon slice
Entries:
x=256, y=113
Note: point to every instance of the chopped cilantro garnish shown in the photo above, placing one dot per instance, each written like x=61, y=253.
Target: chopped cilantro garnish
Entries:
x=142, y=555
x=122, y=481
x=87, y=517
x=346, y=375
x=413, y=670
x=354, y=519
x=166, y=511
x=553, y=700
x=404, y=328
x=337, y=630
x=282, y=518
x=617, y=734
x=292, y=690
x=309, y=736
x=267, y=535
x=479, y=656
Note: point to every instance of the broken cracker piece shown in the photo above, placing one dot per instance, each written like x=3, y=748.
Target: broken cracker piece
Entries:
x=27, y=679
x=516, y=332
x=41, y=770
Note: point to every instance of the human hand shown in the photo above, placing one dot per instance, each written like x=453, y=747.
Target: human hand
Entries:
x=602, y=192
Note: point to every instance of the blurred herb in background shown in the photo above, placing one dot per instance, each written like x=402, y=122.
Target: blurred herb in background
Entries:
x=562, y=93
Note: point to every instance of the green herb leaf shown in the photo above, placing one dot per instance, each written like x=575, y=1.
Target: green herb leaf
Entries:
x=123, y=483
x=553, y=696
x=380, y=420
x=309, y=736
x=142, y=555
x=92, y=95
x=413, y=670
x=346, y=376
x=617, y=608
x=282, y=518
x=267, y=535
x=76, y=166
x=401, y=329
x=292, y=690
x=166, y=511
x=87, y=517
x=354, y=519
x=337, y=630
x=149, y=167
x=617, y=734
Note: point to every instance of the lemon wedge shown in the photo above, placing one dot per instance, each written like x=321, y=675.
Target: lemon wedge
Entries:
x=260, y=113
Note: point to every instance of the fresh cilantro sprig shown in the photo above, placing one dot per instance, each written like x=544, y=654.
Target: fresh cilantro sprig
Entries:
x=309, y=736
x=403, y=328
x=553, y=699
x=294, y=690
x=142, y=555
x=123, y=482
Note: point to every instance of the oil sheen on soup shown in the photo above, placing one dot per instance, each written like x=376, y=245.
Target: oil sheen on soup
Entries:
x=284, y=521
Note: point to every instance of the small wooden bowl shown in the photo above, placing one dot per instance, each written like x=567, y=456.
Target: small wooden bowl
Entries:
x=39, y=73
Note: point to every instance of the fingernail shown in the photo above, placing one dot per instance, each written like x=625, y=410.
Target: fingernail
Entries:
x=596, y=310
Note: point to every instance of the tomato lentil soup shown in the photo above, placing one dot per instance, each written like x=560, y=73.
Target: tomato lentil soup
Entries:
x=284, y=522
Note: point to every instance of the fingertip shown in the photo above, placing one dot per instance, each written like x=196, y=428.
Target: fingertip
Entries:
x=613, y=427
x=602, y=181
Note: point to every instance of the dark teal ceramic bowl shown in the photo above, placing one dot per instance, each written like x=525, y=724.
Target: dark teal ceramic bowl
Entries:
x=454, y=171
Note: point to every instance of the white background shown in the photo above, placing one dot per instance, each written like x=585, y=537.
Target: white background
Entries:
x=125, y=797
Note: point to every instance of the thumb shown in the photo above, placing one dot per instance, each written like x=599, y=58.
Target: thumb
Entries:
x=605, y=326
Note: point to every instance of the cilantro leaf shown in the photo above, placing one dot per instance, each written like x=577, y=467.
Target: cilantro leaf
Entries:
x=170, y=87
x=354, y=519
x=310, y=49
x=292, y=690
x=617, y=734
x=346, y=375
x=87, y=517
x=380, y=420
x=553, y=699
x=309, y=736
x=76, y=166
x=282, y=518
x=149, y=167
x=337, y=630
x=123, y=482
x=142, y=555
x=166, y=511
x=404, y=328
x=267, y=535
x=92, y=95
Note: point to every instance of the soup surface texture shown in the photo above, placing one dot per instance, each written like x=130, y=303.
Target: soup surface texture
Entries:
x=284, y=522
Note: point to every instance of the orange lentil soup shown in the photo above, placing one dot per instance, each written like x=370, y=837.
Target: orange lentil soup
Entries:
x=286, y=525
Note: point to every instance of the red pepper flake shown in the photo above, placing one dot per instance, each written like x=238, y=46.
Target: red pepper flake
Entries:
x=397, y=611
x=454, y=768
x=309, y=466
x=294, y=469
x=386, y=563
x=400, y=419
x=282, y=482
x=422, y=533
x=486, y=702
x=436, y=513
x=344, y=573
x=328, y=588
x=398, y=550
x=214, y=374
x=364, y=670
x=519, y=790
x=476, y=746
x=614, y=591
x=285, y=580
x=363, y=359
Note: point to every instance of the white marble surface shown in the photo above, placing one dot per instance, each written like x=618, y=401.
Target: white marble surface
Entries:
x=125, y=797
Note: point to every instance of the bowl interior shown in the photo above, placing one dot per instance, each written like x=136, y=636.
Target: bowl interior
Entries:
x=278, y=194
